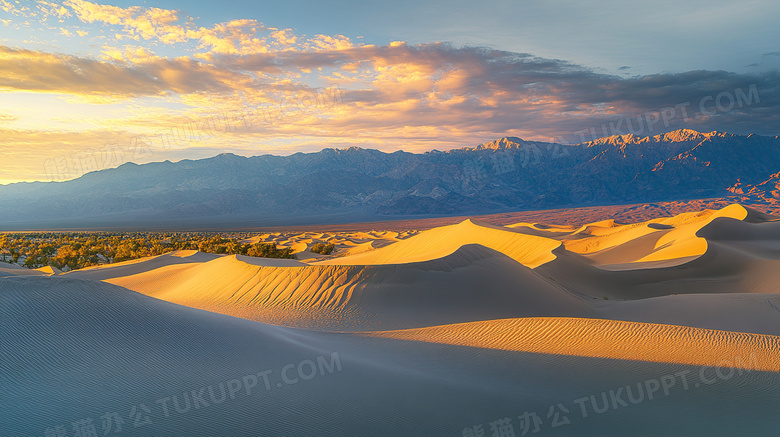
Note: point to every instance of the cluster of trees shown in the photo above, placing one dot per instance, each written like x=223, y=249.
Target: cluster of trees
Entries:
x=72, y=251
x=323, y=249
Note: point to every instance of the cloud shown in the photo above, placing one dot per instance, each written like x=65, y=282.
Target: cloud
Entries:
x=6, y=6
x=146, y=23
x=403, y=91
x=66, y=74
x=241, y=36
x=455, y=89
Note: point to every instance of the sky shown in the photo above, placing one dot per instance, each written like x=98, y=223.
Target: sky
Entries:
x=86, y=86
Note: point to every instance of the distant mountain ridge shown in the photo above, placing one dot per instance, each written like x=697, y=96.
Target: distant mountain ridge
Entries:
x=342, y=185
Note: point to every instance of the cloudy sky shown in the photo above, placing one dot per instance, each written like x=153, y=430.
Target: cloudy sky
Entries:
x=86, y=86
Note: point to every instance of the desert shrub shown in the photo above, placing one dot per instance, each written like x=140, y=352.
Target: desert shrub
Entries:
x=323, y=249
x=269, y=250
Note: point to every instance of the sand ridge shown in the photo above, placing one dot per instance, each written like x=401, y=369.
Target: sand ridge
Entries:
x=613, y=339
x=528, y=250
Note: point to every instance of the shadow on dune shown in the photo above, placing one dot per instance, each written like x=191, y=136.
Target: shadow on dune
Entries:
x=82, y=349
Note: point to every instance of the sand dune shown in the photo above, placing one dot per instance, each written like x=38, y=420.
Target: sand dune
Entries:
x=49, y=270
x=84, y=349
x=720, y=263
x=437, y=332
x=661, y=239
x=374, y=287
x=474, y=283
x=598, y=338
x=720, y=270
x=359, y=248
x=142, y=265
x=347, y=243
x=7, y=270
x=528, y=250
x=172, y=370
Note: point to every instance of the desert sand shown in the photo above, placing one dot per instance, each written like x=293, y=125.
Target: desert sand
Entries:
x=667, y=326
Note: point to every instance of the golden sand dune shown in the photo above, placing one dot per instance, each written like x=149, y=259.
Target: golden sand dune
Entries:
x=739, y=256
x=474, y=283
x=608, y=339
x=529, y=250
x=661, y=242
x=359, y=248
x=720, y=270
x=661, y=239
x=7, y=270
x=49, y=270
x=297, y=247
x=399, y=283
x=347, y=243
x=541, y=230
x=682, y=240
x=142, y=265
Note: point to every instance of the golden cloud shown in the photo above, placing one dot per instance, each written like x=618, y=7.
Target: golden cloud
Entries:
x=68, y=74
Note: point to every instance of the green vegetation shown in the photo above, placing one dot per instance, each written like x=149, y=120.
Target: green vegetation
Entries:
x=323, y=249
x=72, y=251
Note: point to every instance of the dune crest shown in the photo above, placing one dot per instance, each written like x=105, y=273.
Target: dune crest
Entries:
x=141, y=265
x=8, y=270
x=529, y=250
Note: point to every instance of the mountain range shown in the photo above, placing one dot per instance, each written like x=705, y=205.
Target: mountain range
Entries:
x=354, y=184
